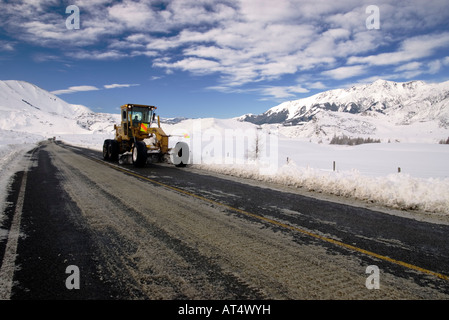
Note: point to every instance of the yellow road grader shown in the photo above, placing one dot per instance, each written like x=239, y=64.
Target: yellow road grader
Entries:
x=139, y=139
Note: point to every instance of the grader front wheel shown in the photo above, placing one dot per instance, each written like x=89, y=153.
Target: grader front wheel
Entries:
x=139, y=154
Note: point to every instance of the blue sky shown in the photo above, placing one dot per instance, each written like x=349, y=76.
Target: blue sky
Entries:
x=225, y=58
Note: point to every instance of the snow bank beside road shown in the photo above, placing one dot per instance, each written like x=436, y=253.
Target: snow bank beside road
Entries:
x=13, y=147
x=399, y=191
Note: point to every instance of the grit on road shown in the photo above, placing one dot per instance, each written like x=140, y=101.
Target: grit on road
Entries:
x=162, y=232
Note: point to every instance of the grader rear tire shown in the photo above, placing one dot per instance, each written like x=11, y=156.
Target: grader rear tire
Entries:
x=113, y=150
x=106, y=145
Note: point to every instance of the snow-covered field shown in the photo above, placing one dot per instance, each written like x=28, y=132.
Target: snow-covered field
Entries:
x=365, y=172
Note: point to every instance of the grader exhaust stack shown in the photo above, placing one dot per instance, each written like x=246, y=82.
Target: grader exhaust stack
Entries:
x=138, y=138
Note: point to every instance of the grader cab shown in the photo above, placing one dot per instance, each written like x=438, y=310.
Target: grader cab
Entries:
x=141, y=138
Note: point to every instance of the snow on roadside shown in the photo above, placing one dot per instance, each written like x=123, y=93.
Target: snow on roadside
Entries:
x=13, y=147
x=398, y=191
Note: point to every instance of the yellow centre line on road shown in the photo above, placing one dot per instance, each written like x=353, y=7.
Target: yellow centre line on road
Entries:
x=283, y=225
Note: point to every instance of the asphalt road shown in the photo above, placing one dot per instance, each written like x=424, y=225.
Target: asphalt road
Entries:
x=162, y=232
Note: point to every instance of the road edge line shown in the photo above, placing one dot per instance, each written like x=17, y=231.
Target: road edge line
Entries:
x=9, y=259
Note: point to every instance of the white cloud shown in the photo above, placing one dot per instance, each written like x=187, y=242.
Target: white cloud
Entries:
x=134, y=15
x=434, y=66
x=283, y=91
x=116, y=85
x=446, y=61
x=316, y=85
x=6, y=46
x=410, y=49
x=269, y=11
x=75, y=89
x=98, y=55
x=414, y=69
x=197, y=13
x=84, y=88
x=345, y=72
x=195, y=65
x=409, y=66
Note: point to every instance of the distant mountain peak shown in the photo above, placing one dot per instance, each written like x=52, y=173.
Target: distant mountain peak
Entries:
x=399, y=103
x=27, y=108
x=15, y=93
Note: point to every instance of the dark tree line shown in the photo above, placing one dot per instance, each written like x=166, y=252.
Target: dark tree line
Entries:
x=442, y=141
x=345, y=140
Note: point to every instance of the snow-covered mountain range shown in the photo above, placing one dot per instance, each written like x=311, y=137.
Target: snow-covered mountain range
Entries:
x=408, y=112
x=382, y=109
